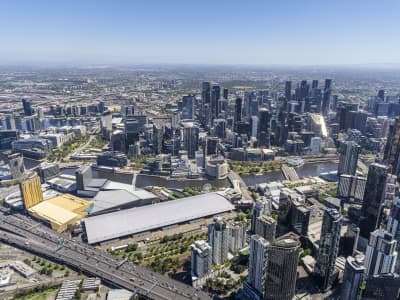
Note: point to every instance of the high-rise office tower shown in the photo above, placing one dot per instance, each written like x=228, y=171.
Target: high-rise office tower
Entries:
x=381, y=95
x=281, y=269
x=349, y=151
x=117, y=141
x=201, y=258
x=288, y=90
x=225, y=93
x=106, y=125
x=315, y=145
x=126, y=110
x=220, y=128
x=206, y=92
x=10, y=122
x=254, y=105
x=373, y=197
x=254, y=126
x=349, y=241
x=237, y=236
x=381, y=254
x=261, y=207
x=392, y=149
x=31, y=191
x=134, y=126
x=238, y=110
x=32, y=124
x=215, y=98
x=314, y=84
x=40, y=113
x=205, y=101
x=248, y=98
x=300, y=218
x=18, y=122
x=188, y=107
x=302, y=90
x=382, y=287
x=335, y=100
x=393, y=226
x=264, y=120
x=16, y=164
x=190, y=138
x=302, y=96
x=326, y=100
x=26, y=104
x=328, y=248
x=266, y=227
x=255, y=284
x=158, y=133
x=223, y=108
x=352, y=278
x=346, y=115
x=328, y=84
x=351, y=187
x=218, y=238
x=212, y=145
x=315, y=100
x=390, y=190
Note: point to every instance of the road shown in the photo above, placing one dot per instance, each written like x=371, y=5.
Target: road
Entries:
x=79, y=149
x=23, y=232
x=235, y=178
x=289, y=173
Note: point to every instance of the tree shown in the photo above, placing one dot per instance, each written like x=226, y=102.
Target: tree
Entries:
x=27, y=261
x=131, y=247
x=78, y=294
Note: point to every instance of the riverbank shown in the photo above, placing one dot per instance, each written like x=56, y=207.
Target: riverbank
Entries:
x=307, y=170
x=252, y=168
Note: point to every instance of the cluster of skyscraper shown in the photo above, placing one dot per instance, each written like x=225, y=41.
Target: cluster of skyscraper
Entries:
x=272, y=262
x=223, y=237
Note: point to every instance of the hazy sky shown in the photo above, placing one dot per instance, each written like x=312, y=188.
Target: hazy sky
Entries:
x=301, y=32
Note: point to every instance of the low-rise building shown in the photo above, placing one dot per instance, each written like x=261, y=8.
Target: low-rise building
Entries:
x=112, y=159
x=61, y=211
x=217, y=167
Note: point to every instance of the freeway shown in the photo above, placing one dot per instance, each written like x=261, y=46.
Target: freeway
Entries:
x=23, y=232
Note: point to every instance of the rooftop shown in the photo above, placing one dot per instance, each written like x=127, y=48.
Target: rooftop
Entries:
x=61, y=210
x=108, y=199
x=53, y=213
x=70, y=202
x=150, y=217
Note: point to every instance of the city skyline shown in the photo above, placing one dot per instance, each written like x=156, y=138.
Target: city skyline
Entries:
x=263, y=33
x=195, y=150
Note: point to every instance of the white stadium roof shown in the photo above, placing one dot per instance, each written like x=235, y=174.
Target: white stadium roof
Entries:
x=139, y=219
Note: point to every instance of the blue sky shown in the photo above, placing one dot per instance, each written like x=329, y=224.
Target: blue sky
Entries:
x=260, y=32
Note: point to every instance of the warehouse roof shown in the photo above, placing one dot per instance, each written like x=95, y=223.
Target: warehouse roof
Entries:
x=71, y=203
x=61, y=209
x=115, y=199
x=150, y=217
x=53, y=213
x=116, y=195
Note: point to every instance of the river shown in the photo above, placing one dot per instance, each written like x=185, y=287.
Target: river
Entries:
x=146, y=180
x=303, y=171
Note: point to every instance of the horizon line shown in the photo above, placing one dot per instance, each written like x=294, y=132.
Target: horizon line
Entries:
x=60, y=64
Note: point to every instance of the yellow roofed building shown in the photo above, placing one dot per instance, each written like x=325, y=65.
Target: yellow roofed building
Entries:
x=61, y=211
